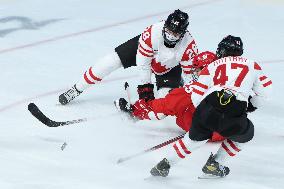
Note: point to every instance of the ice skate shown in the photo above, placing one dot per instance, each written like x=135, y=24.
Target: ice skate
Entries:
x=212, y=169
x=69, y=95
x=162, y=169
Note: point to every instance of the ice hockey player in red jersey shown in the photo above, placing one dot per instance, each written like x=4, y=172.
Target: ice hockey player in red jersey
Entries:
x=177, y=103
x=221, y=98
x=165, y=48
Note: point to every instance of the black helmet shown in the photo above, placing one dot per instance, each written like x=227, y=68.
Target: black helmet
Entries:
x=230, y=46
x=176, y=24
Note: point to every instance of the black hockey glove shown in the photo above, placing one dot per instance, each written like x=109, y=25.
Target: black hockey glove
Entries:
x=146, y=92
x=250, y=107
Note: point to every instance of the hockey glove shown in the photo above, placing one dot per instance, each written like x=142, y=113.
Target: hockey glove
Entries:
x=146, y=92
x=141, y=109
x=250, y=107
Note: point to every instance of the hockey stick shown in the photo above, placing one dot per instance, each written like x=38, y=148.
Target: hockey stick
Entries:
x=123, y=102
x=126, y=88
x=121, y=160
x=37, y=113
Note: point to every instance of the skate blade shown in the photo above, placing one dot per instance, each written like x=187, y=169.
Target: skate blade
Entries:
x=208, y=176
x=154, y=178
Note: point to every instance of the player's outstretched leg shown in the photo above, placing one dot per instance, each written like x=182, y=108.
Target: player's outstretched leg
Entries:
x=93, y=75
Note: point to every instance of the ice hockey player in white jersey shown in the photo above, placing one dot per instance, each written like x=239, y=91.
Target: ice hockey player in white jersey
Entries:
x=165, y=49
x=221, y=95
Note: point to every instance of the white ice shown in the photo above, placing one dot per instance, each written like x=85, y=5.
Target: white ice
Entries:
x=45, y=47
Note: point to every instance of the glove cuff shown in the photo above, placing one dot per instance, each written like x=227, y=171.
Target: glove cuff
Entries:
x=145, y=88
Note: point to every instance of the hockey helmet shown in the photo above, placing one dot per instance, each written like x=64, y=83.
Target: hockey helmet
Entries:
x=230, y=46
x=200, y=61
x=175, y=27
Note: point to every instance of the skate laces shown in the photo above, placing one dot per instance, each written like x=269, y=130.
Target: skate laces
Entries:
x=72, y=93
x=222, y=168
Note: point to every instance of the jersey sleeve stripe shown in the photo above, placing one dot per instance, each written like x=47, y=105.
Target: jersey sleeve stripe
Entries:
x=144, y=54
x=262, y=78
x=144, y=49
x=267, y=83
x=187, y=72
x=201, y=85
x=197, y=91
x=186, y=66
x=145, y=45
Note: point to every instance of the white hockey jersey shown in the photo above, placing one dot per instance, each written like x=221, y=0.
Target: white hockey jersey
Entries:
x=154, y=57
x=239, y=75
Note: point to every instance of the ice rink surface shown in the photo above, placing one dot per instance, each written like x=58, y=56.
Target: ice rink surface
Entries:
x=45, y=47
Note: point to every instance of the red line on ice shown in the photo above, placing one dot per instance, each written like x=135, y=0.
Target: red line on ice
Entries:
x=71, y=35
x=37, y=43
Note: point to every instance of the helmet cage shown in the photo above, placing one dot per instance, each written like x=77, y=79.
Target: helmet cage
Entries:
x=175, y=25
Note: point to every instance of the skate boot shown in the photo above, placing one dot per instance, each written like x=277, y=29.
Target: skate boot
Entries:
x=213, y=169
x=69, y=95
x=122, y=105
x=162, y=169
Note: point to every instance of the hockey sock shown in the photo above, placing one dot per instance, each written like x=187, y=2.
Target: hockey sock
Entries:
x=183, y=147
x=97, y=72
x=227, y=150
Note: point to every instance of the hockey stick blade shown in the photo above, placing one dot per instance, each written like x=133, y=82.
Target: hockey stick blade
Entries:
x=35, y=111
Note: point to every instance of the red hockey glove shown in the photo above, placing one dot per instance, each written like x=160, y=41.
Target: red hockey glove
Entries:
x=146, y=91
x=141, y=109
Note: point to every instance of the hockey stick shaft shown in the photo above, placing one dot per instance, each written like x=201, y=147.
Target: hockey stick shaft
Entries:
x=126, y=88
x=121, y=160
